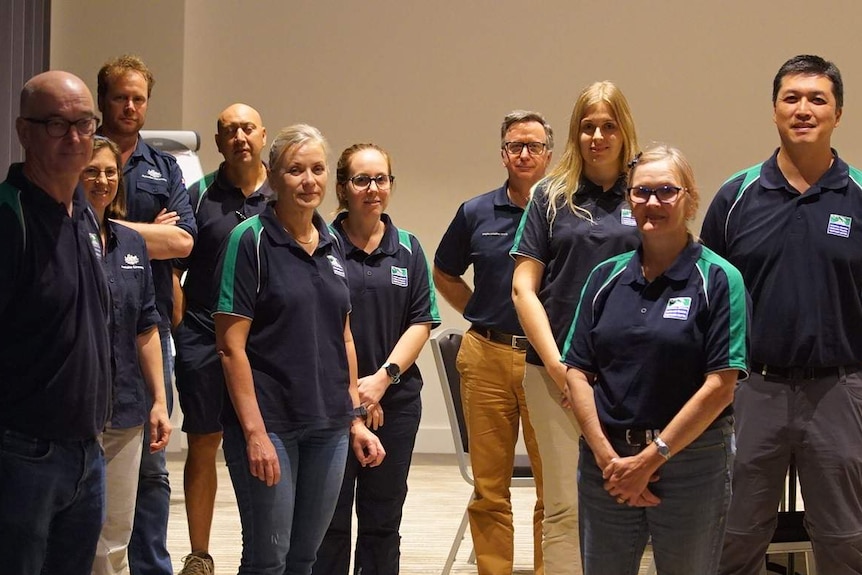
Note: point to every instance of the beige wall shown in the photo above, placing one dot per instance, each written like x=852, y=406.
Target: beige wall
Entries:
x=431, y=81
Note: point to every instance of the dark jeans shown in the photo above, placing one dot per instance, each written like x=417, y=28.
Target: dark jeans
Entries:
x=148, y=548
x=52, y=504
x=380, y=494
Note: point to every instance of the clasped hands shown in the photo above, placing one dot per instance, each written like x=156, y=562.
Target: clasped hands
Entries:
x=627, y=480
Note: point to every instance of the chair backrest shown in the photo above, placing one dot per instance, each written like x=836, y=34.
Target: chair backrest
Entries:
x=445, y=345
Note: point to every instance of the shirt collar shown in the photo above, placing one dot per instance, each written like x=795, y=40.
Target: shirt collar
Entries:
x=388, y=244
x=835, y=178
x=275, y=230
x=679, y=271
x=589, y=188
x=223, y=182
x=501, y=197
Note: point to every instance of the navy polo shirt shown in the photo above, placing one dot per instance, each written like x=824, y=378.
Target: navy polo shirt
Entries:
x=801, y=257
x=481, y=235
x=130, y=280
x=298, y=306
x=651, y=344
x=54, y=346
x=571, y=246
x=390, y=290
x=218, y=207
x=154, y=182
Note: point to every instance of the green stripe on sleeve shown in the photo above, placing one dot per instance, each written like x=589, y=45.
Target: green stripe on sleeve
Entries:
x=738, y=324
x=228, y=274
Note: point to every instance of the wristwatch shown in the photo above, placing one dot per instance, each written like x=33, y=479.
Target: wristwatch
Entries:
x=360, y=412
x=662, y=447
x=393, y=371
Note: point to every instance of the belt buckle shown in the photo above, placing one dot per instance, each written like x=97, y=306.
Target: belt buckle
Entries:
x=519, y=342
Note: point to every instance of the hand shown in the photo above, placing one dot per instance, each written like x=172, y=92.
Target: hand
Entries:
x=160, y=427
x=167, y=218
x=557, y=371
x=374, y=419
x=372, y=387
x=262, y=458
x=627, y=480
x=366, y=446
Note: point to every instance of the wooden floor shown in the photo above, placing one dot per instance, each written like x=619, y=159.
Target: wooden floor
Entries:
x=437, y=499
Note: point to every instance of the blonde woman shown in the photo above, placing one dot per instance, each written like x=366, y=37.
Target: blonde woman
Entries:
x=577, y=217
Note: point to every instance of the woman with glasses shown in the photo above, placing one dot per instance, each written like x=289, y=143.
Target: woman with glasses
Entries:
x=576, y=218
x=393, y=312
x=284, y=338
x=136, y=354
x=656, y=346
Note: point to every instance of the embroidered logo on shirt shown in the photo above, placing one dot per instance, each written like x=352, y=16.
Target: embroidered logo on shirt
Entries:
x=504, y=234
x=626, y=218
x=677, y=308
x=399, y=276
x=97, y=245
x=132, y=262
x=154, y=175
x=337, y=268
x=839, y=225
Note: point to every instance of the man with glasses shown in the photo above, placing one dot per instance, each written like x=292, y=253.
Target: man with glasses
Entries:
x=791, y=226
x=54, y=347
x=491, y=359
x=158, y=208
x=237, y=191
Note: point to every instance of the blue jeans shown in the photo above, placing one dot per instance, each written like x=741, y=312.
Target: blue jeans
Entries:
x=312, y=468
x=379, y=493
x=687, y=527
x=148, y=547
x=52, y=504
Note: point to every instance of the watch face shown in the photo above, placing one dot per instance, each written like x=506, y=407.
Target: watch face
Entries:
x=392, y=370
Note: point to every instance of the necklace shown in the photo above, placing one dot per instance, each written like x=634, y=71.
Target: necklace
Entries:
x=296, y=237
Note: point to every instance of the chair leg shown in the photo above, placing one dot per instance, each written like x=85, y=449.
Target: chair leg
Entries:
x=651, y=570
x=459, y=536
x=810, y=564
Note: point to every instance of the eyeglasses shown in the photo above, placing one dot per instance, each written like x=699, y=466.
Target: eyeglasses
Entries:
x=92, y=174
x=58, y=127
x=534, y=148
x=664, y=194
x=363, y=181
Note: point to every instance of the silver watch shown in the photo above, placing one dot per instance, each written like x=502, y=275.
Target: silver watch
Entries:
x=662, y=447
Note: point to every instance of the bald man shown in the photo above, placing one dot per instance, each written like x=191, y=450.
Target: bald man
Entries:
x=238, y=190
x=54, y=346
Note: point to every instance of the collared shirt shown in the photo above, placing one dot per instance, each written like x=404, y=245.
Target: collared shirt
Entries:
x=298, y=306
x=571, y=246
x=54, y=347
x=218, y=208
x=133, y=298
x=390, y=290
x=154, y=182
x=801, y=257
x=651, y=344
x=481, y=235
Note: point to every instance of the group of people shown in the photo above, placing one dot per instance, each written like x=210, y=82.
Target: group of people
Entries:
x=599, y=322
x=665, y=382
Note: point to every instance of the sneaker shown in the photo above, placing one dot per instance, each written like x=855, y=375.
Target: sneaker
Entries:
x=198, y=563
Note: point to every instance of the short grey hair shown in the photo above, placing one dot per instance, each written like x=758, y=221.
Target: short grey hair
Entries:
x=521, y=116
x=292, y=137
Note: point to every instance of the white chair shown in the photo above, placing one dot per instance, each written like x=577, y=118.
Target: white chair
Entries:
x=445, y=345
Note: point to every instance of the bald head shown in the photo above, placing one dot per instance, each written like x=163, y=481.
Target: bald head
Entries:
x=240, y=135
x=53, y=89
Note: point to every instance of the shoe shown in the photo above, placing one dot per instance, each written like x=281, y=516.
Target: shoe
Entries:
x=198, y=563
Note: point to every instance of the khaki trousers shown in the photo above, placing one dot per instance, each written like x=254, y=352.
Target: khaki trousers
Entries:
x=494, y=405
x=122, y=459
x=557, y=433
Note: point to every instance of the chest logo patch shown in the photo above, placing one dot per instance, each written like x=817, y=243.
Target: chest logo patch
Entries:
x=97, y=244
x=132, y=262
x=626, y=218
x=399, y=276
x=677, y=308
x=337, y=268
x=839, y=225
x=154, y=175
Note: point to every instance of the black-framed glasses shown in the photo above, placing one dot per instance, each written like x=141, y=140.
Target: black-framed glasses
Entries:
x=58, y=127
x=363, y=181
x=664, y=194
x=534, y=148
x=91, y=174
